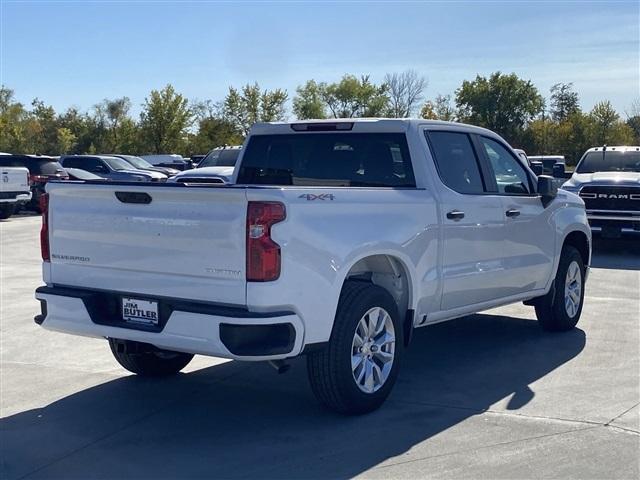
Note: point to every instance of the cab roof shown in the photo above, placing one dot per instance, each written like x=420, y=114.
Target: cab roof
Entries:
x=620, y=148
x=362, y=125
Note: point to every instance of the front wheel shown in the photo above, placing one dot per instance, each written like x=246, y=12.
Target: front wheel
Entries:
x=147, y=360
x=560, y=309
x=355, y=373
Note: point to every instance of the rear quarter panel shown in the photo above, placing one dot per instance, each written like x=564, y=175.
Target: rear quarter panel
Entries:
x=322, y=239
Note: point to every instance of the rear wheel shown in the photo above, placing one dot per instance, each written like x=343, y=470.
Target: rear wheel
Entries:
x=355, y=373
x=6, y=210
x=147, y=360
x=560, y=309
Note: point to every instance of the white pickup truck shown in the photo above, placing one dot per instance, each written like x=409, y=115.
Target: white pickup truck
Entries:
x=14, y=190
x=334, y=240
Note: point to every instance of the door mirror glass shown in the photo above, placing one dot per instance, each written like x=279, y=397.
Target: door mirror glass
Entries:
x=547, y=189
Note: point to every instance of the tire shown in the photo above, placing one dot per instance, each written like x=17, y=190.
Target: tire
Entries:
x=6, y=210
x=146, y=360
x=330, y=371
x=556, y=312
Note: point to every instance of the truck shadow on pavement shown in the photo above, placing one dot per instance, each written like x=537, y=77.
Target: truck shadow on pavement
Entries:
x=619, y=254
x=244, y=420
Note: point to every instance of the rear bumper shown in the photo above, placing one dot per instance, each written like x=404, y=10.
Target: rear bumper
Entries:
x=193, y=327
x=13, y=197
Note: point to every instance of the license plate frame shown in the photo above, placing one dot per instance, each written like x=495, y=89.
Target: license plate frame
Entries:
x=140, y=311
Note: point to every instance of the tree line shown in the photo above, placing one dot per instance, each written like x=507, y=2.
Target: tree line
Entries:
x=170, y=123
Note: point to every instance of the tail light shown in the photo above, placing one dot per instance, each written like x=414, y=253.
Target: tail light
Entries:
x=263, y=254
x=44, y=231
x=39, y=179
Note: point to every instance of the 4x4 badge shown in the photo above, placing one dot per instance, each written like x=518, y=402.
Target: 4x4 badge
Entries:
x=322, y=196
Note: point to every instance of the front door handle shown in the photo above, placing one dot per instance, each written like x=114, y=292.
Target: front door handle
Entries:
x=455, y=215
x=512, y=213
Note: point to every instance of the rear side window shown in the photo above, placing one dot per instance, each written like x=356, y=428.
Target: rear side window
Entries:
x=47, y=168
x=328, y=159
x=456, y=161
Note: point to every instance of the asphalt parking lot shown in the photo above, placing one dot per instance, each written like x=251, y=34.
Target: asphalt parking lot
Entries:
x=486, y=396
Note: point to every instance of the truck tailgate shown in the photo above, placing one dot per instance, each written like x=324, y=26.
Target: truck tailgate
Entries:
x=187, y=242
x=14, y=181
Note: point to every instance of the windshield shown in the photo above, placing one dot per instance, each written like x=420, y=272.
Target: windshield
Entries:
x=137, y=161
x=610, y=161
x=220, y=158
x=117, y=163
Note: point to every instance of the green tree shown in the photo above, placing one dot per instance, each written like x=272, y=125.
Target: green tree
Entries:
x=66, y=141
x=249, y=105
x=440, y=108
x=608, y=128
x=214, y=132
x=633, y=120
x=164, y=121
x=564, y=101
x=113, y=116
x=42, y=129
x=81, y=127
x=502, y=103
x=355, y=97
x=309, y=101
x=12, y=122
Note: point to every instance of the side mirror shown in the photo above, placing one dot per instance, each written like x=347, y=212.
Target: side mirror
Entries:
x=537, y=168
x=559, y=170
x=547, y=189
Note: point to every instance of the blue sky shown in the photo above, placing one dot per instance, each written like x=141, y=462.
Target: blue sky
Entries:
x=77, y=53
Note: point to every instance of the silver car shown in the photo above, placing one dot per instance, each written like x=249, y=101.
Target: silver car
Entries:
x=113, y=168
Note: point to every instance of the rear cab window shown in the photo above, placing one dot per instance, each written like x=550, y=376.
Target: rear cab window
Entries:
x=328, y=159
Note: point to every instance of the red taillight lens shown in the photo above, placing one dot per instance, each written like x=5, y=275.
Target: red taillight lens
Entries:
x=39, y=179
x=44, y=231
x=263, y=254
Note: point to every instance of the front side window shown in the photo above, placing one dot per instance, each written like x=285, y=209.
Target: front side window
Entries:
x=456, y=161
x=74, y=163
x=511, y=177
x=116, y=163
x=328, y=159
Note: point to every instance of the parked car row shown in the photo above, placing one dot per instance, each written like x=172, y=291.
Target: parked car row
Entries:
x=39, y=169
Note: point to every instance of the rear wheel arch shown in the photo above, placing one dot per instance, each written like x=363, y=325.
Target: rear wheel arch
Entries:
x=387, y=271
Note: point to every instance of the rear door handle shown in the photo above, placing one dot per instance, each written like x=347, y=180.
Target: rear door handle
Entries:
x=455, y=215
x=512, y=212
